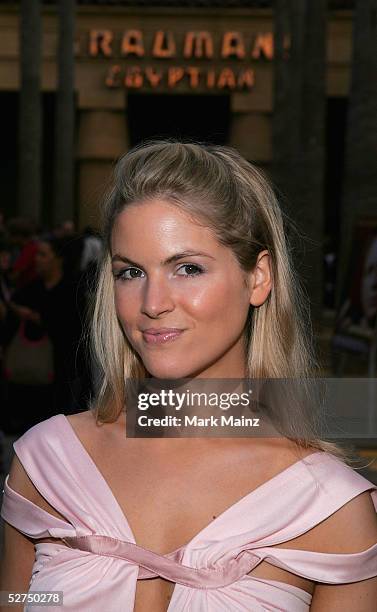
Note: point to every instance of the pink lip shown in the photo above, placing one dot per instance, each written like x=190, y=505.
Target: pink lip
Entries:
x=157, y=336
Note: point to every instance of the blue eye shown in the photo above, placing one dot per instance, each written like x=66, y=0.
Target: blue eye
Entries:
x=196, y=269
x=122, y=274
x=129, y=274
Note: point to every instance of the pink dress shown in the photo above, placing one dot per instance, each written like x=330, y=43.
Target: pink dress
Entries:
x=99, y=570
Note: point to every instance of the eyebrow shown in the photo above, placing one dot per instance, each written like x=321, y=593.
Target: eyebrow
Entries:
x=167, y=261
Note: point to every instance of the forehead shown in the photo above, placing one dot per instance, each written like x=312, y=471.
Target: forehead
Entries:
x=161, y=224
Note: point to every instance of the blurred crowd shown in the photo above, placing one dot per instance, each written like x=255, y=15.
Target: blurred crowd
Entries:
x=46, y=285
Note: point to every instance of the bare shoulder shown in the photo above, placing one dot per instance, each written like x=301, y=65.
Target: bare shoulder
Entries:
x=19, y=480
x=284, y=451
x=84, y=426
x=82, y=418
x=351, y=529
x=95, y=436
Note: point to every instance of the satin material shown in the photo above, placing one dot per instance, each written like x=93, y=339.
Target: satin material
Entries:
x=100, y=564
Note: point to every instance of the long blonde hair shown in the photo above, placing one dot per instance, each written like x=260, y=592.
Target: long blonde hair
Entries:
x=216, y=186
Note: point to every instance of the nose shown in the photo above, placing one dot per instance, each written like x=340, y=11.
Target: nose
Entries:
x=157, y=297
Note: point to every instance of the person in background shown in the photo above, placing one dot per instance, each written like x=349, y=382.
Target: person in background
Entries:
x=5, y=296
x=75, y=245
x=330, y=263
x=5, y=287
x=53, y=303
x=64, y=229
x=360, y=306
x=369, y=283
x=5, y=283
x=22, y=239
x=92, y=249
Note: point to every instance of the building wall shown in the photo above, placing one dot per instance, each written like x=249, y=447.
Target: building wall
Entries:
x=102, y=126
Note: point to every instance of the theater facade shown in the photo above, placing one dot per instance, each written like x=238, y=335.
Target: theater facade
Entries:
x=196, y=70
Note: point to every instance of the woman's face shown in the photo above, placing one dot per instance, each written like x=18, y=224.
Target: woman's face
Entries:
x=45, y=261
x=172, y=274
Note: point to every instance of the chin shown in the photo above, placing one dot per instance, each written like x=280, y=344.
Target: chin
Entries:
x=168, y=373
x=168, y=370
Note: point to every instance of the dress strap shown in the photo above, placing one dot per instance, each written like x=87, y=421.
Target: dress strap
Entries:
x=29, y=518
x=166, y=566
x=64, y=474
x=330, y=568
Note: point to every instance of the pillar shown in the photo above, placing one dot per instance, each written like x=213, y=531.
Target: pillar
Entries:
x=102, y=139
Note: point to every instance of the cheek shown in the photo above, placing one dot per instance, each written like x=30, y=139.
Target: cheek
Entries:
x=219, y=300
x=127, y=305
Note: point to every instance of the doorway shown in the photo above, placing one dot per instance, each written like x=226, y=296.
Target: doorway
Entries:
x=203, y=118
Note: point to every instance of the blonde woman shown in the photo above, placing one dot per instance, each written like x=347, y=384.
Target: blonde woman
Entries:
x=196, y=282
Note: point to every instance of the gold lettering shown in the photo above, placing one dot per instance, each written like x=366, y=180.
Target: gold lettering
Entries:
x=100, y=43
x=113, y=76
x=153, y=76
x=246, y=78
x=233, y=44
x=193, y=73
x=263, y=46
x=175, y=75
x=226, y=79
x=132, y=43
x=134, y=78
x=163, y=45
x=198, y=44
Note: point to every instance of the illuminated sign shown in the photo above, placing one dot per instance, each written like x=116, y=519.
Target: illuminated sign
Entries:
x=196, y=58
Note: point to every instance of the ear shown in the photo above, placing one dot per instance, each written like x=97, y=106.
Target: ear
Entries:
x=260, y=279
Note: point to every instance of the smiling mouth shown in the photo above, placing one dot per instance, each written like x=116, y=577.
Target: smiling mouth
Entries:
x=161, y=338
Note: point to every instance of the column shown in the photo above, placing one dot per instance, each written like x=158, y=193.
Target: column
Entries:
x=102, y=139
